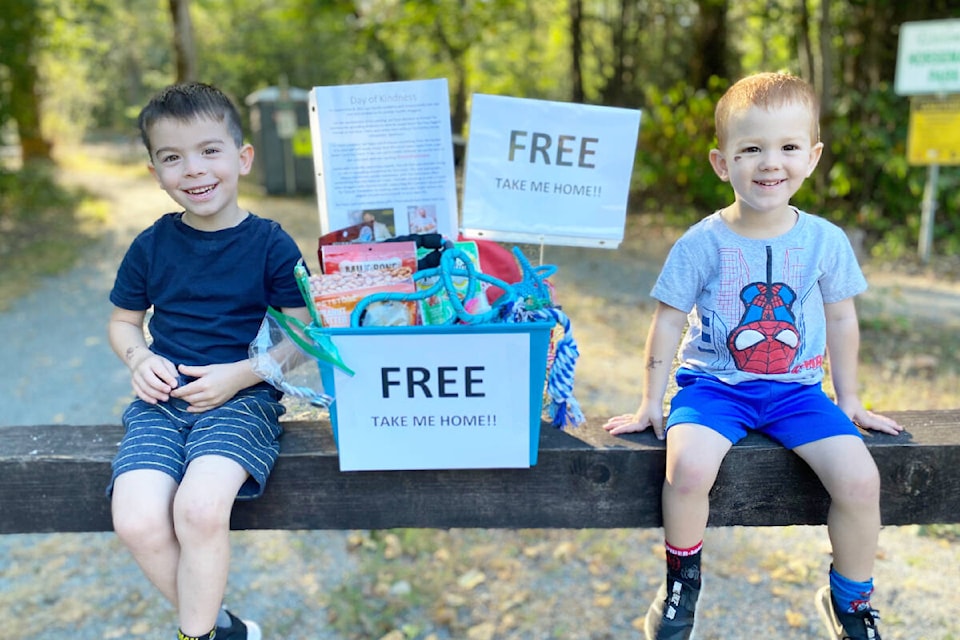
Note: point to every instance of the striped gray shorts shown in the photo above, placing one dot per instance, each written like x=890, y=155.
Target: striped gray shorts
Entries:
x=165, y=437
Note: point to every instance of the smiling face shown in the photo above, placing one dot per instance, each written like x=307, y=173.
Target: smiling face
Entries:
x=197, y=162
x=766, y=154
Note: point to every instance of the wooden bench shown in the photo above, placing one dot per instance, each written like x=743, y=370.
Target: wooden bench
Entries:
x=52, y=479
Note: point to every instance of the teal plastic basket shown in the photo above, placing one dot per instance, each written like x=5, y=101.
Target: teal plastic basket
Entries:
x=395, y=348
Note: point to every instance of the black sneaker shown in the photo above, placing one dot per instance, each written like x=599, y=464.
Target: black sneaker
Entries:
x=841, y=625
x=239, y=630
x=670, y=616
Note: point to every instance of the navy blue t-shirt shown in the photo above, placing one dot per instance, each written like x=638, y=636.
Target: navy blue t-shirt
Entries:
x=209, y=290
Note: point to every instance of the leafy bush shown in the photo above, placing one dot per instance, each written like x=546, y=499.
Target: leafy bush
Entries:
x=676, y=135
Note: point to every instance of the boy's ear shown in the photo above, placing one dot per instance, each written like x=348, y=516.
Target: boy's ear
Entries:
x=153, y=171
x=719, y=164
x=815, y=152
x=246, y=159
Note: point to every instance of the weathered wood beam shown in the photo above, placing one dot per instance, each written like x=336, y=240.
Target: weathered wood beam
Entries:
x=52, y=478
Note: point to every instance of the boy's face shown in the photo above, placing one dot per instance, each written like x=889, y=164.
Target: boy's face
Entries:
x=199, y=165
x=767, y=155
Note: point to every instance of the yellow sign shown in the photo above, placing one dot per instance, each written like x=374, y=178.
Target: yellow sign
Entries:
x=302, y=146
x=934, y=133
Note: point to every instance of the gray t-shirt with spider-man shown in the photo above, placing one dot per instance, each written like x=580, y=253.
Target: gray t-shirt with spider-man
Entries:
x=756, y=307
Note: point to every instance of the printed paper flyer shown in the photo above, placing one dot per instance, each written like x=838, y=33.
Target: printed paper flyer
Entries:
x=383, y=153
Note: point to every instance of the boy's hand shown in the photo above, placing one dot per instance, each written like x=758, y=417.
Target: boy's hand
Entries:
x=153, y=378
x=875, y=422
x=214, y=384
x=639, y=421
x=864, y=419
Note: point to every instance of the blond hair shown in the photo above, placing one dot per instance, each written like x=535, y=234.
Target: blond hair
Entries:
x=766, y=90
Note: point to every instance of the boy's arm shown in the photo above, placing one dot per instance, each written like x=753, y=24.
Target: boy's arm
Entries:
x=217, y=383
x=659, y=352
x=151, y=376
x=843, y=348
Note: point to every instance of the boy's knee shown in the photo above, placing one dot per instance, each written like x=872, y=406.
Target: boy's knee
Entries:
x=138, y=528
x=690, y=475
x=200, y=516
x=860, y=486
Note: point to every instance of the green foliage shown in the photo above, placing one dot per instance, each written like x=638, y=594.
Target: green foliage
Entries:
x=100, y=60
x=870, y=184
x=676, y=135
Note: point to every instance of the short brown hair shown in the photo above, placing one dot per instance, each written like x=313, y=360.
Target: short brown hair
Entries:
x=187, y=101
x=766, y=90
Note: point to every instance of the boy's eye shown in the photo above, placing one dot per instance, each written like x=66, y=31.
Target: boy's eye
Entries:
x=791, y=147
x=168, y=158
x=210, y=151
x=753, y=149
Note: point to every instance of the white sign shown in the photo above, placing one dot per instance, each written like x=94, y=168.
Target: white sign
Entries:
x=437, y=399
x=385, y=150
x=928, y=58
x=546, y=172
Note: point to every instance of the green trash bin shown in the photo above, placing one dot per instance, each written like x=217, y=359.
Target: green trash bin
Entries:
x=279, y=122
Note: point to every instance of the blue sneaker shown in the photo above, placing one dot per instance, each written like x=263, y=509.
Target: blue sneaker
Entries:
x=860, y=625
x=670, y=616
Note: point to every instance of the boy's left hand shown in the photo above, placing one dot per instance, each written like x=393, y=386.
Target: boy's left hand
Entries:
x=873, y=421
x=214, y=385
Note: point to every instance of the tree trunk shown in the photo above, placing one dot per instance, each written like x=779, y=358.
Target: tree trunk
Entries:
x=25, y=107
x=710, y=56
x=20, y=30
x=805, y=47
x=825, y=76
x=184, y=49
x=576, y=50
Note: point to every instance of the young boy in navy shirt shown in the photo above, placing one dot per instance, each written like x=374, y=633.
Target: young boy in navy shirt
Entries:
x=203, y=430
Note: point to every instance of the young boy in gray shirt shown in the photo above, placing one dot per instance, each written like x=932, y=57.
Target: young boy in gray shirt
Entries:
x=764, y=291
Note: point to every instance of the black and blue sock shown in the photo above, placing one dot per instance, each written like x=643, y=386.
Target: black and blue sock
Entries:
x=850, y=595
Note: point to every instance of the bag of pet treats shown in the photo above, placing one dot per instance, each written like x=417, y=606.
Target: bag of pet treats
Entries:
x=354, y=271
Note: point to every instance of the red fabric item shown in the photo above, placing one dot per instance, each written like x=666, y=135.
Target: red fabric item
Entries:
x=496, y=261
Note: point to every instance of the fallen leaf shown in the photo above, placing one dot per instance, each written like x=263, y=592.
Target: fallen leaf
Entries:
x=795, y=619
x=471, y=579
x=483, y=631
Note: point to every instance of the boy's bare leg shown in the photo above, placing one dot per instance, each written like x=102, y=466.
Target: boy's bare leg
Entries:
x=694, y=454
x=202, y=519
x=849, y=474
x=142, y=506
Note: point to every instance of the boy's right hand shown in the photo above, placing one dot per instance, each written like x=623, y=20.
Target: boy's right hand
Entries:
x=645, y=417
x=153, y=378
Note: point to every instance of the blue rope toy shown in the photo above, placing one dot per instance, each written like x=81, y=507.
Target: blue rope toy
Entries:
x=529, y=300
x=532, y=305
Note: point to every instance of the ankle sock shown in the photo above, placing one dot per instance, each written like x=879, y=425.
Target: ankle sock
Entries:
x=684, y=564
x=850, y=595
x=207, y=636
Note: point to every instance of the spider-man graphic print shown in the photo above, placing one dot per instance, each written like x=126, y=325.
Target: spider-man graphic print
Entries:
x=755, y=307
x=766, y=340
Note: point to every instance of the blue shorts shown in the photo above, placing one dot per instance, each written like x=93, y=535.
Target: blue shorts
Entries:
x=165, y=437
x=791, y=413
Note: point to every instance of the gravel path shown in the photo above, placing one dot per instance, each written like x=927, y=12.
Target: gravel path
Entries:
x=581, y=585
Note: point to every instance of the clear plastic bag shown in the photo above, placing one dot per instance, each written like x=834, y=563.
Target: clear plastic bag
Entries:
x=286, y=357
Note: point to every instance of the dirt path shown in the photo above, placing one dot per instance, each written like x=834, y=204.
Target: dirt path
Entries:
x=576, y=585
